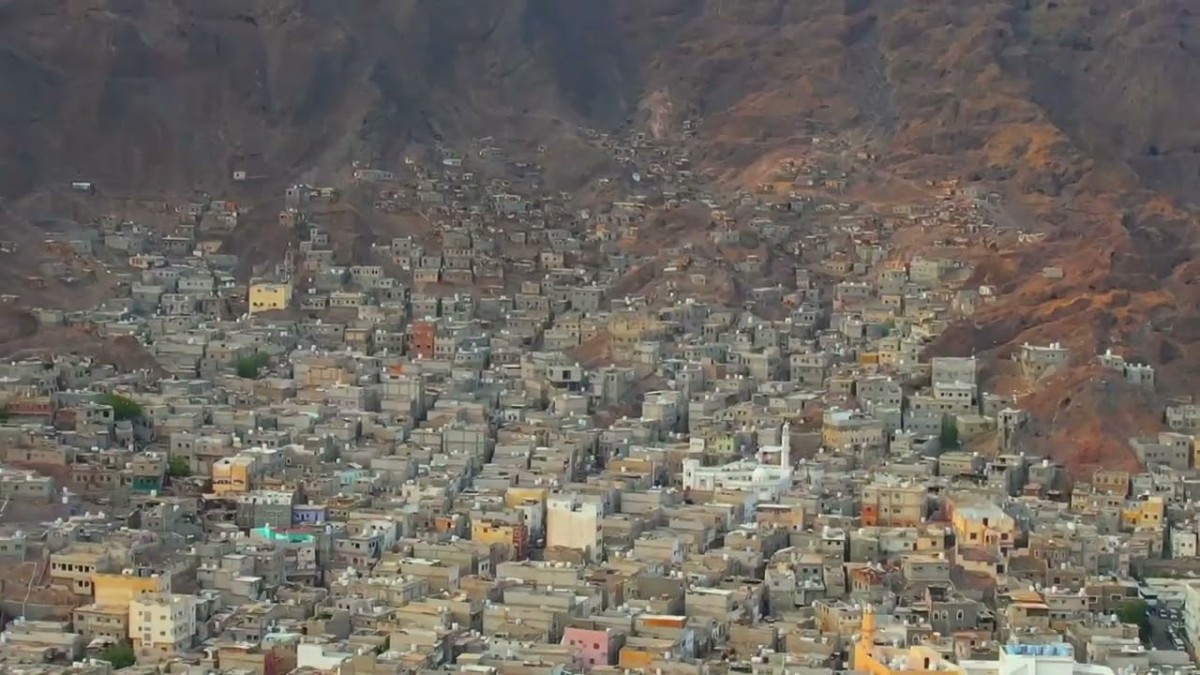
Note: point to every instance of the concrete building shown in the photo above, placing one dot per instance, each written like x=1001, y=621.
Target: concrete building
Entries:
x=573, y=524
x=162, y=622
x=267, y=296
x=893, y=503
x=1036, y=360
x=1049, y=658
x=265, y=508
x=1191, y=611
x=845, y=429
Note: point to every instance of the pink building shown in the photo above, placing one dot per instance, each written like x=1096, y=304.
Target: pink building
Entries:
x=593, y=646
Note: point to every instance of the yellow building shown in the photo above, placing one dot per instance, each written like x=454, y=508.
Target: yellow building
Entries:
x=629, y=328
x=1081, y=496
x=722, y=444
x=635, y=466
x=513, y=536
x=835, y=616
x=120, y=589
x=1147, y=512
x=233, y=475
x=931, y=539
x=1085, y=498
x=515, y=496
x=1112, y=482
x=789, y=517
x=841, y=429
x=985, y=525
x=893, y=504
x=267, y=296
x=107, y=617
x=876, y=659
x=163, y=622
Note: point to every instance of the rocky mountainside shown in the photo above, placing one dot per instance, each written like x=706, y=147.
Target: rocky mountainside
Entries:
x=168, y=93
x=1079, y=111
x=1044, y=94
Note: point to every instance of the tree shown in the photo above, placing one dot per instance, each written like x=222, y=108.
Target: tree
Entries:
x=949, y=435
x=120, y=655
x=248, y=368
x=124, y=408
x=1136, y=612
x=178, y=467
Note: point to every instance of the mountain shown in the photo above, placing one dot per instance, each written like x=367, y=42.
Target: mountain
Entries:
x=1077, y=111
x=167, y=92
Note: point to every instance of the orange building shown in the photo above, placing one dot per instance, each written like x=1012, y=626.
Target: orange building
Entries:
x=636, y=656
x=513, y=535
x=422, y=337
x=30, y=407
x=233, y=474
x=893, y=504
x=452, y=523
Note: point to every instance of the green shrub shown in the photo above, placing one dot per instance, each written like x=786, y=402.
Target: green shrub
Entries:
x=949, y=434
x=1136, y=612
x=120, y=655
x=124, y=408
x=177, y=467
x=250, y=367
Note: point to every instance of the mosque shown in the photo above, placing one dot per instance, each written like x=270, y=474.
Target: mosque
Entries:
x=759, y=477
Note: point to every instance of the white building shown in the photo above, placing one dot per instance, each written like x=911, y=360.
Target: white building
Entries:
x=1191, y=611
x=162, y=622
x=1183, y=541
x=573, y=523
x=766, y=482
x=320, y=657
x=1034, y=659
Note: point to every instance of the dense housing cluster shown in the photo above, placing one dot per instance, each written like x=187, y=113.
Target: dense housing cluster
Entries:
x=543, y=435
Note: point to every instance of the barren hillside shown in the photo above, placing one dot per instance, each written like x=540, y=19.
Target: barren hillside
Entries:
x=1051, y=95
x=1079, y=110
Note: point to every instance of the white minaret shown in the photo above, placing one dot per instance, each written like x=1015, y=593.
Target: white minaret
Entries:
x=785, y=453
